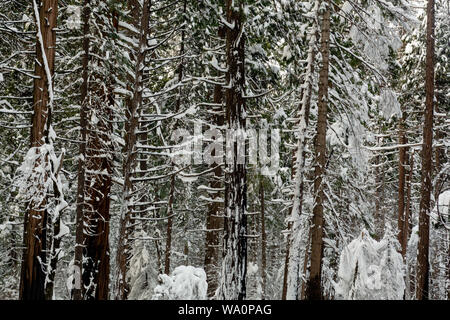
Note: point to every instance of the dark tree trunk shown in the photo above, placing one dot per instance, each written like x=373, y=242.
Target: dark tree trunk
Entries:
x=32, y=279
x=379, y=196
x=423, y=268
x=213, y=219
x=79, y=237
x=169, y=225
x=98, y=160
x=401, y=184
x=263, y=241
x=314, y=287
x=234, y=270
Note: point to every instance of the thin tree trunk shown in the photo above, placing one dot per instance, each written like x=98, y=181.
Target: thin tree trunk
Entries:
x=401, y=184
x=314, y=287
x=79, y=236
x=263, y=241
x=424, y=209
x=170, y=211
x=407, y=221
x=169, y=226
x=305, y=265
x=377, y=216
x=32, y=279
x=213, y=221
x=134, y=104
x=291, y=280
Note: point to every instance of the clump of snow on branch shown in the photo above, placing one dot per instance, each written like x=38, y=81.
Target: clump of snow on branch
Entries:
x=39, y=175
x=389, y=104
x=369, y=269
x=184, y=283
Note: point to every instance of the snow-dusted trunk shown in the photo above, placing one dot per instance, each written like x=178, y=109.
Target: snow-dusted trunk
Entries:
x=314, y=287
x=79, y=236
x=32, y=280
x=170, y=212
x=213, y=219
x=134, y=103
x=379, y=216
x=263, y=241
x=95, y=277
x=291, y=282
x=97, y=165
x=409, y=180
x=59, y=230
x=424, y=208
x=234, y=264
x=170, y=204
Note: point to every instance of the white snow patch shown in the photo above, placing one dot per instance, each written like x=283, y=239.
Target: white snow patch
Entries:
x=185, y=283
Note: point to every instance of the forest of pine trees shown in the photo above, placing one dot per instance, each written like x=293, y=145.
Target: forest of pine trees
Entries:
x=234, y=149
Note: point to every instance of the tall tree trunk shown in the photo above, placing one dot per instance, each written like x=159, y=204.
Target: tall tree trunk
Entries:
x=77, y=293
x=407, y=221
x=263, y=241
x=314, y=287
x=401, y=184
x=379, y=195
x=32, y=279
x=424, y=208
x=170, y=211
x=291, y=280
x=213, y=219
x=169, y=225
x=234, y=267
x=134, y=104
x=98, y=160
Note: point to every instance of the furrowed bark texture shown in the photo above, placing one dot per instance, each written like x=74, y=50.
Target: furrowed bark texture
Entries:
x=99, y=102
x=32, y=279
x=234, y=267
x=77, y=293
x=423, y=268
x=314, y=287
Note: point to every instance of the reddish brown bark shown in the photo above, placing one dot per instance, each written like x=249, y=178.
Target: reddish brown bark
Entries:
x=32, y=279
x=98, y=164
x=79, y=236
x=314, y=286
x=423, y=267
x=401, y=184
